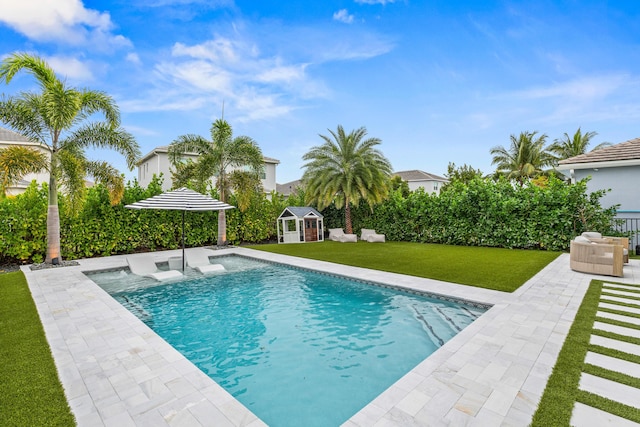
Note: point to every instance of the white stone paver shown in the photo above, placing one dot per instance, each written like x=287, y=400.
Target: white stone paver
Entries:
x=587, y=416
x=117, y=371
x=619, y=317
x=615, y=344
x=621, y=330
x=621, y=286
x=618, y=307
x=610, y=389
x=613, y=364
x=622, y=294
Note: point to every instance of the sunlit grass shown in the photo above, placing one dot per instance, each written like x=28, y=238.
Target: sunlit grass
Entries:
x=30, y=391
x=491, y=268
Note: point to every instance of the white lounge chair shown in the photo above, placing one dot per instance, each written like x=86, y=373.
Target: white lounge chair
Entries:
x=199, y=260
x=371, y=236
x=143, y=265
x=338, y=235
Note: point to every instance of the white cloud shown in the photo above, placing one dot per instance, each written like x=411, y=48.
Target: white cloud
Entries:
x=66, y=21
x=343, y=16
x=133, y=58
x=266, y=76
x=254, y=86
x=70, y=67
x=582, y=89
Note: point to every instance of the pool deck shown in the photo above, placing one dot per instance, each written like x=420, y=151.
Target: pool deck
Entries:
x=118, y=372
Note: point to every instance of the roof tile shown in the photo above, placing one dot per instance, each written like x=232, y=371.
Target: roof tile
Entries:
x=629, y=150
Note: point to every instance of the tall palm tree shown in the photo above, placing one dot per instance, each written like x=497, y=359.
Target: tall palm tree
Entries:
x=571, y=146
x=58, y=118
x=346, y=169
x=16, y=162
x=526, y=157
x=217, y=158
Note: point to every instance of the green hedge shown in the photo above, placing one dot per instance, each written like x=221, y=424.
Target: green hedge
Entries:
x=485, y=212
x=482, y=212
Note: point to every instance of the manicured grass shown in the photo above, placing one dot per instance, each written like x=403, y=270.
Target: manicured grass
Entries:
x=30, y=391
x=492, y=268
x=561, y=393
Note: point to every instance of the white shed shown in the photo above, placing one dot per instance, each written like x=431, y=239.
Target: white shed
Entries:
x=300, y=224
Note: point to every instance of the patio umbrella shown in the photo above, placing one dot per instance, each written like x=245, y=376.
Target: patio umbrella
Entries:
x=183, y=200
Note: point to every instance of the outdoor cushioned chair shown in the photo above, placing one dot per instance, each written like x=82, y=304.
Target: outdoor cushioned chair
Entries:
x=199, y=260
x=594, y=236
x=143, y=265
x=371, y=236
x=349, y=238
x=338, y=235
x=596, y=258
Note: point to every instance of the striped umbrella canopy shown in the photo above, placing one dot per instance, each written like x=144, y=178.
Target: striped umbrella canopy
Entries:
x=182, y=199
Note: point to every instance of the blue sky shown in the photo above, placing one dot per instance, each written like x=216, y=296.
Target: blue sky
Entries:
x=436, y=81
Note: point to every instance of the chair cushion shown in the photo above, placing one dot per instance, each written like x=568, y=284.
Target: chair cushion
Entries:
x=335, y=233
x=373, y=238
x=592, y=235
x=348, y=238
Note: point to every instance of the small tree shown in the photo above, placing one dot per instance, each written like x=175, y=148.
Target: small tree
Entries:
x=344, y=170
x=218, y=158
x=57, y=118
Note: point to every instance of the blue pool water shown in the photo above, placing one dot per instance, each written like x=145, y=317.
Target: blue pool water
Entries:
x=294, y=346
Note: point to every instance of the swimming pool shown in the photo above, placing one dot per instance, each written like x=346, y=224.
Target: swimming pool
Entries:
x=294, y=346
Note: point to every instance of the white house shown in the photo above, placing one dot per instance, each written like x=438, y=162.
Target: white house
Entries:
x=157, y=162
x=419, y=179
x=288, y=188
x=10, y=138
x=615, y=168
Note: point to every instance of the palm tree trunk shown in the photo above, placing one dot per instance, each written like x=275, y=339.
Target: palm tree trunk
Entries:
x=53, y=223
x=347, y=217
x=222, y=228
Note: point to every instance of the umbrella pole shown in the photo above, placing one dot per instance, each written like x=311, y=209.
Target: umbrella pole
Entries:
x=183, y=241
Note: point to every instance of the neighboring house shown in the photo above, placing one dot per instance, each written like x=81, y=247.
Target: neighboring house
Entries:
x=419, y=179
x=9, y=138
x=157, y=162
x=616, y=167
x=288, y=188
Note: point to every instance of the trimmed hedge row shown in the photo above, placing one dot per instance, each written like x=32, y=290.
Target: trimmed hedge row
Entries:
x=482, y=212
x=485, y=212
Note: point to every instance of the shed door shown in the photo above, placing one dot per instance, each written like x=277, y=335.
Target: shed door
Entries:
x=310, y=230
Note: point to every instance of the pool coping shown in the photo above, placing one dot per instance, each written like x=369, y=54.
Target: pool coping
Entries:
x=117, y=371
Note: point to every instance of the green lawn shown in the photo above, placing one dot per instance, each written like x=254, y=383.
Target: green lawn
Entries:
x=30, y=391
x=491, y=268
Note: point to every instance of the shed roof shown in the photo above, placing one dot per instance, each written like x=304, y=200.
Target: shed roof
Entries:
x=629, y=150
x=418, y=175
x=300, y=212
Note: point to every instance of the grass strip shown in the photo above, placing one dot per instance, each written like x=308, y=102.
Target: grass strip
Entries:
x=624, y=304
x=617, y=322
x=607, y=294
x=594, y=348
x=619, y=312
x=608, y=374
x=556, y=405
x=31, y=393
x=492, y=268
x=608, y=405
x=612, y=286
